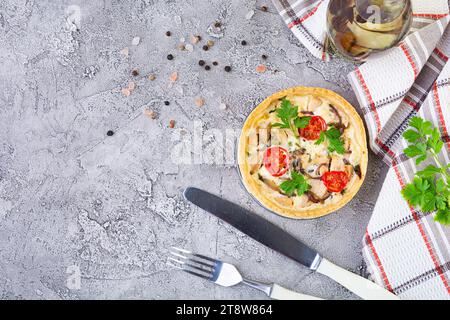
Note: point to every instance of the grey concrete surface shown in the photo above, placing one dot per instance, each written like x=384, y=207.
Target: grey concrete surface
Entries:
x=73, y=198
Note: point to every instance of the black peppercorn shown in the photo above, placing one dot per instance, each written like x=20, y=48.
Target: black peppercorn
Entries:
x=215, y=63
x=134, y=73
x=110, y=133
x=201, y=63
x=264, y=8
x=205, y=47
x=169, y=57
x=227, y=68
x=243, y=42
x=217, y=24
x=264, y=57
x=168, y=33
x=166, y=103
x=207, y=67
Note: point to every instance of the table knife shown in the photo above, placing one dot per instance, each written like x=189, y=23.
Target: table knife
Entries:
x=279, y=240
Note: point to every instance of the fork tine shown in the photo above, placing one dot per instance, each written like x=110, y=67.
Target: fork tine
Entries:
x=205, y=257
x=194, y=254
x=197, y=274
x=181, y=267
x=194, y=264
x=210, y=271
x=170, y=264
x=197, y=258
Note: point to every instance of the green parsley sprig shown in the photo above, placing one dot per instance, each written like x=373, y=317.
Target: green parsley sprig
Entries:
x=430, y=189
x=297, y=183
x=335, y=141
x=288, y=115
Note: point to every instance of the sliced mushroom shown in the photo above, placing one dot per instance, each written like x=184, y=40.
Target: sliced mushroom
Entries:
x=305, y=113
x=271, y=184
x=347, y=145
x=315, y=199
x=296, y=163
x=336, y=112
x=316, y=171
x=349, y=170
x=312, y=197
x=358, y=171
x=322, y=169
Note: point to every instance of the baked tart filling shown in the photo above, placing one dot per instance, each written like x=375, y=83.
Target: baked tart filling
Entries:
x=302, y=152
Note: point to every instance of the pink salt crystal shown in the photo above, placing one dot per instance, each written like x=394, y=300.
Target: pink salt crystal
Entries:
x=261, y=68
x=174, y=76
x=126, y=92
x=199, y=102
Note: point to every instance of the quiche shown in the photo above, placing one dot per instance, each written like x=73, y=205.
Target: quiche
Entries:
x=302, y=152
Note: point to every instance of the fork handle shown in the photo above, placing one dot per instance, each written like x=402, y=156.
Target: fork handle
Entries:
x=280, y=293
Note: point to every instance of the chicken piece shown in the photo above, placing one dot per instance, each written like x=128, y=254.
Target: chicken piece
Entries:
x=300, y=101
x=318, y=188
x=314, y=103
x=264, y=135
x=300, y=201
x=337, y=164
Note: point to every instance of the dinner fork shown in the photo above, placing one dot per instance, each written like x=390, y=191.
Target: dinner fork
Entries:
x=226, y=275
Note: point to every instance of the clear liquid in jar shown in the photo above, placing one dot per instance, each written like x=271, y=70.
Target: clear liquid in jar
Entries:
x=357, y=28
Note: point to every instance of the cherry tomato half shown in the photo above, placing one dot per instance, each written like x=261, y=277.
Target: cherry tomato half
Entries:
x=335, y=181
x=276, y=161
x=312, y=131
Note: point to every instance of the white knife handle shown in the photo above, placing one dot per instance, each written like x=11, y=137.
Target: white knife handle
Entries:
x=362, y=287
x=280, y=293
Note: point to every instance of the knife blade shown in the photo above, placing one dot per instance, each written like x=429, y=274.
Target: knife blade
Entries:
x=254, y=226
x=279, y=240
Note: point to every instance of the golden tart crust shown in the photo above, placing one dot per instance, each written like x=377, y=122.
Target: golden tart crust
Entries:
x=288, y=206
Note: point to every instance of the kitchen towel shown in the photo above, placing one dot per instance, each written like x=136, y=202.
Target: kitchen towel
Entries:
x=405, y=249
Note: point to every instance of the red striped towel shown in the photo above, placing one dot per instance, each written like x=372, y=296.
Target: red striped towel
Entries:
x=405, y=249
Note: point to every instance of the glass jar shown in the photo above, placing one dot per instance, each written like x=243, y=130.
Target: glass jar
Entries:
x=356, y=28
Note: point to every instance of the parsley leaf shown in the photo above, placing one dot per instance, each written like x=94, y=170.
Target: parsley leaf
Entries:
x=288, y=115
x=335, y=141
x=428, y=172
x=286, y=112
x=430, y=189
x=302, y=122
x=443, y=217
x=297, y=183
